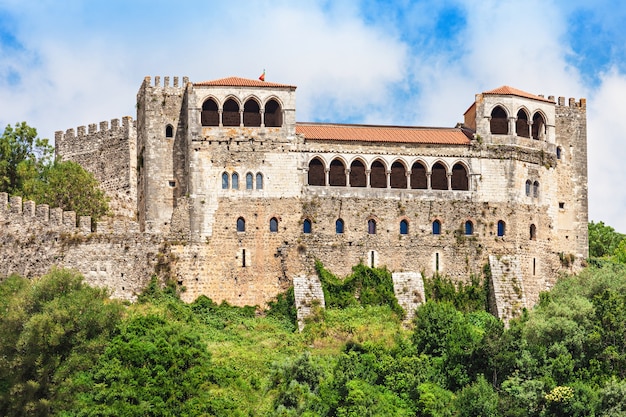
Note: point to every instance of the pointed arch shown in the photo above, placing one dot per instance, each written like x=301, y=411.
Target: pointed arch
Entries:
x=339, y=226
x=469, y=228
x=418, y=176
x=241, y=224
x=357, y=174
x=169, y=131
x=235, y=181
x=533, y=232
x=371, y=226
x=252, y=113
x=337, y=173
x=230, y=113
x=460, y=177
x=439, y=177
x=273, y=225
x=539, y=126
x=273, y=113
x=528, y=185
x=501, y=228
x=404, y=227
x=499, y=122
x=225, y=181
x=306, y=226
x=398, y=175
x=316, y=175
x=249, y=181
x=259, y=181
x=436, y=227
x=378, y=174
x=210, y=115
x=521, y=125
x=536, y=189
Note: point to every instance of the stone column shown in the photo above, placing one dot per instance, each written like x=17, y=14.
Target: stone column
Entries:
x=449, y=176
x=428, y=174
x=241, y=117
x=367, y=178
x=408, y=179
x=348, y=177
x=262, y=117
x=388, y=175
x=327, y=176
x=512, y=126
x=220, y=112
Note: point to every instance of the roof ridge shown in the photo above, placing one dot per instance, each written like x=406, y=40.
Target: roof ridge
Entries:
x=234, y=81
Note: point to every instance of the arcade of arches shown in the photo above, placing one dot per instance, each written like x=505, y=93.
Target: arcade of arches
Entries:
x=233, y=114
x=377, y=175
x=499, y=124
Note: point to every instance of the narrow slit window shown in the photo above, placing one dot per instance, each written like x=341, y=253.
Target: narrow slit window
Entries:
x=259, y=181
x=306, y=226
x=235, y=178
x=501, y=228
x=241, y=224
x=248, y=181
x=469, y=228
x=225, y=181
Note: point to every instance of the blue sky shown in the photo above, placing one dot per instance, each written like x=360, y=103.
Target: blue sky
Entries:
x=369, y=61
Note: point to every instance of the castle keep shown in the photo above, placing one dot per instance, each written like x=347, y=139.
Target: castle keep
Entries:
x=218, y=181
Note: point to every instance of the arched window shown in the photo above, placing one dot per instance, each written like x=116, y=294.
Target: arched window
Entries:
x=241, y=224
x=337, y=174
x=528, y=184
x=317, y=175
x=469, y=228
x=169, y=131
x=459, y=180
x=536, y=189
x=273, y=224
x=259, y=181
x=249, y=184
x=357, y=174
x=235, y=179
x=251, y=113
x=499, y=123
x=378, y=175
x=533, y=232
x=404, y=227
x=539, y=127
x=225, y=181
x=439, y=177
x=230, y=115
x=273, y=114
x=521, y=125
x=209, y=115
x=559, y=150
x=418, y=177
x=371, y=226
x=398, y=175
x=339, y=226
x=501, y=228
x=306, y=226
x=436, y=227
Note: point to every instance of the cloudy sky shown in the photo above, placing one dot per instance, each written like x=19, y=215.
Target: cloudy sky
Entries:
x=370, y=61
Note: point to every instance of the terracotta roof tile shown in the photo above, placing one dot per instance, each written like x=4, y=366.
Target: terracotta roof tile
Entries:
x=241, y=82
x=506, y=90
x=395, y=134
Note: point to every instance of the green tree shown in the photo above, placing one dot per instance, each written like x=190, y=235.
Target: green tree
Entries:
x=67, y=185
x=603, y=240
x=50, y=329
x=477, y=399
x=22, y=154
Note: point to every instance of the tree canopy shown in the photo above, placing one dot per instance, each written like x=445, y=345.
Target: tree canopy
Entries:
x=28, y=168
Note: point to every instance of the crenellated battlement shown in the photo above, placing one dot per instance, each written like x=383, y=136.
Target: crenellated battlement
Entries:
x=582, y=103
x=89, y=131
x=166, y=82
x=19, y=213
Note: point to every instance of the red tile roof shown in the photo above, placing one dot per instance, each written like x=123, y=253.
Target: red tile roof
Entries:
x=395, y=134
x=505, y=90
x=242, y=82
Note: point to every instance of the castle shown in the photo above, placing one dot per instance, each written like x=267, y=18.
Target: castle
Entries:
x=218, y=184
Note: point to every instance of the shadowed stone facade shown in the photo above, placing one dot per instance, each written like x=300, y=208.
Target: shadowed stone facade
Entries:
x=240, y=199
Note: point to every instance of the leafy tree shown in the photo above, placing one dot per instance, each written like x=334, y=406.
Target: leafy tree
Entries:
x=51, y=329
x=603, y=240
x=22, y=154
x=67, y=185
x=477, y=399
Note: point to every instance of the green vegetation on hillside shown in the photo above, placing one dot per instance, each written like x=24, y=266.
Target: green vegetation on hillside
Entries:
x=67, y=350
x=28, y=169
